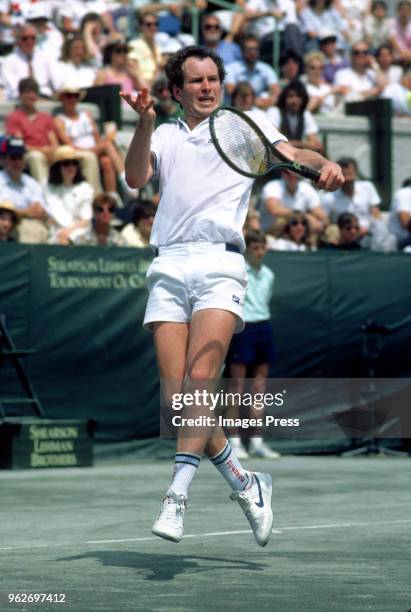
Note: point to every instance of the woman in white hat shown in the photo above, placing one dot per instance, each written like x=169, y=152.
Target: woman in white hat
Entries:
x=68, y=196
x=78, y=129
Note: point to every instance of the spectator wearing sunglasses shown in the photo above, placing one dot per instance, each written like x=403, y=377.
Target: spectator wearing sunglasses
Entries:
x=99, y=231
x=347, y=237
x=28, y=61
x=24, y=192
x=137, y=234
x=119, y=69
x=144, y=49
x=359, y=81
x=294, y=237
x=212, y=38
x=68, y=196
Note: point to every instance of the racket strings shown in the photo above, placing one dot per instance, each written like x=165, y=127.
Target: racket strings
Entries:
x=241, y=144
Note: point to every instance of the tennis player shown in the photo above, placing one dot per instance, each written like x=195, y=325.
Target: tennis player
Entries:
x=197, y=281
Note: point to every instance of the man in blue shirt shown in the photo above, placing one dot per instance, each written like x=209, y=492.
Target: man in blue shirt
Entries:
x=211, y=33
x=259, y=75
x=252, y=352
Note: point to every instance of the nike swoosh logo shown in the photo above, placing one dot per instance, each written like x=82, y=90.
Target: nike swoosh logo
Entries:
x=260, y=503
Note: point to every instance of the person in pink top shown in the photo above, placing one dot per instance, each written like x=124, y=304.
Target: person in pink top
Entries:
x=401, y=32
x=119, y=69
x=35, y=128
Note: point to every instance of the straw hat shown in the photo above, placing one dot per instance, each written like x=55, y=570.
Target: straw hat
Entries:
x=64, y=152
x=7, y=205
x=71, y=87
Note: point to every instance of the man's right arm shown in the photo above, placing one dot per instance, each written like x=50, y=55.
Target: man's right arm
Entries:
x=139, y=160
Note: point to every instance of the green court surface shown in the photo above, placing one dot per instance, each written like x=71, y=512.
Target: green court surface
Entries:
x=341, y=541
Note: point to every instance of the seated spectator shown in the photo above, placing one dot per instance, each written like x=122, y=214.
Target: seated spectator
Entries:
x=25, y=193
x=291, y=67
x=293, y=120
x=377, y=25
x=400, y=36
x=9, y=219
x=322, y=95
x=49, y=38
x=385, y=66
x=244, y=98
x=333, y=60
x=168, y=14
x=137, y=233
x=359, y=81
x=259, y=74
x=79, y=130
x=355, y=196
x=283, y=197
x=75, y=66
x=92, y=30
x=320, y=17
x=119, y=69
x=399, y=222
x=166, y=108
x=294, y=237
x=99, y=230
x=264, y=16
x=400, y=96
x=212, y=38
x=354, y=13
x=348, y=237
x=70, y=14
x=144, y=49
x=67, y=196
x=252, y=222
x=28, y=61
x=36, y=129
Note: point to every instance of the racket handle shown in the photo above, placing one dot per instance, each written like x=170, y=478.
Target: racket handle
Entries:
x=309, y=173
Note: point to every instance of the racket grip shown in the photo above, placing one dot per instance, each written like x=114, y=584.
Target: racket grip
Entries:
x=309, y=173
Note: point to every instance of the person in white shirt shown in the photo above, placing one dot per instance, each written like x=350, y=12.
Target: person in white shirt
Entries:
x=137, y=234
x=295, y=236
x=198, y=280
x=355, y=196
x=360, y=81
x=49, y=39
x=293, y=120
x=399, y=222
x=28, y=61
x=282, y=197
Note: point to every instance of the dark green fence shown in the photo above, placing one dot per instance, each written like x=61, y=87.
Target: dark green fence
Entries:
x=82, y=309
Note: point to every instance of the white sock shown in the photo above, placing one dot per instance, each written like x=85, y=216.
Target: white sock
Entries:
x=185, y=467
x=231, y=469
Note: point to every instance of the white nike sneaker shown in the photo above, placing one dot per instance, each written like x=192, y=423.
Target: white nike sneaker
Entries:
x=170, y=521
x=262, y=450
x=256, y=505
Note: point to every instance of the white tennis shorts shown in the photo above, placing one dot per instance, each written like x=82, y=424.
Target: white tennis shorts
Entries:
x=188, y=277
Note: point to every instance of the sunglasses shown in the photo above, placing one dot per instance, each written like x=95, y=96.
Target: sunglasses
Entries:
x=150, y=24
x=71, y=95
x=315, y=67
x=296, y=222
x=15, y=156
x=359, y=52
x=27, y=38
x=66, y=163
x=351, y=227
x=210, y=26
x=101, y=209
x=120, y=50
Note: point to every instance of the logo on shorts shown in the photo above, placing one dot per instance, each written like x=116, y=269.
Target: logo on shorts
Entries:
x=236, y=299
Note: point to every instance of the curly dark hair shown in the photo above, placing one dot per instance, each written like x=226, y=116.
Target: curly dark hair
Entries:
x=299, y=89
x=174, y=66
x=56, y=177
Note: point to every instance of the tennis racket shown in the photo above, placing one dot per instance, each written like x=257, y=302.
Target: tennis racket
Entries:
x=243, y=146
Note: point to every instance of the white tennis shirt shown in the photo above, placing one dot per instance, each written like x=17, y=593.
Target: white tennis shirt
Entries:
x=202, y=198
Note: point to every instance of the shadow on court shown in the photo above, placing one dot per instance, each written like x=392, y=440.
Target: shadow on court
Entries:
x=166, y=567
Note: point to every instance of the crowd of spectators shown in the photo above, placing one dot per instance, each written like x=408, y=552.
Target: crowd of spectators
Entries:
x=62, y=180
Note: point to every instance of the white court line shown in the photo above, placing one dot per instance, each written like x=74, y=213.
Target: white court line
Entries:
x=207, y=535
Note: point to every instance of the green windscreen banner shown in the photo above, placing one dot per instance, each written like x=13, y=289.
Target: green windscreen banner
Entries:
x=82, y=308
